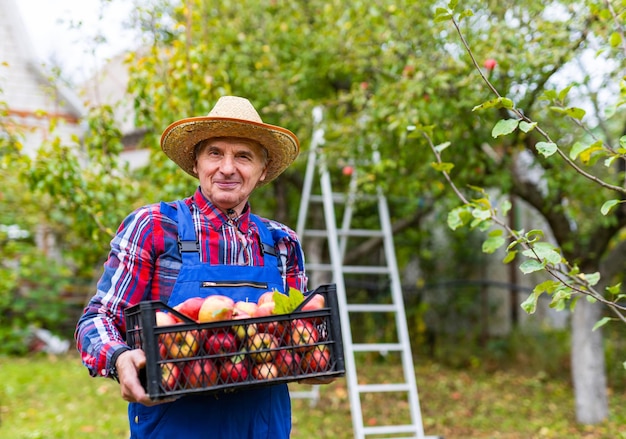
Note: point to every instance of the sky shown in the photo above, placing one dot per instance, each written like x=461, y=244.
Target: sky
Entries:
x=62, y=32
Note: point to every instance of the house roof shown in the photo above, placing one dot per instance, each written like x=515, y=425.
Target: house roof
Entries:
x=24, y=85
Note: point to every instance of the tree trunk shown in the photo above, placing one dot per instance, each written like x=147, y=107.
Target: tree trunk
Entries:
x=588, y=366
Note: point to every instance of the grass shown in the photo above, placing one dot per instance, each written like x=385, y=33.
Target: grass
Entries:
x=54, y=397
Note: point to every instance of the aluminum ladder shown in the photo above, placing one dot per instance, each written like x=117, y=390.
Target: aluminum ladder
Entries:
x=336, y=239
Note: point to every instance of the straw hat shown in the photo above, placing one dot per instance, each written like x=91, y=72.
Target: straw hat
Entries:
x=232, y=116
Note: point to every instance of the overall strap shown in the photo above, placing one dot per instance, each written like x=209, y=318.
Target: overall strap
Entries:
x=267, y=241
x=188, y=244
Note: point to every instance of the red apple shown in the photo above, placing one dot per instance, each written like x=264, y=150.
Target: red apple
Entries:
x=181, y=344
x=200, y=373
x=170, y=375
x=303, y=335
x=265, y=371
x=277, y=328
x=190, y=307
x=176, y=344
x=245, y=308
x=216, y=308
x=234, y=370
x=165, y=319
x=347, y=170
x=316, y=360
x=267, y=296
x=265, y=309
x=221, y=343
x=490, y=63
x=316, y=302
x=261, y=347
x=287, y=362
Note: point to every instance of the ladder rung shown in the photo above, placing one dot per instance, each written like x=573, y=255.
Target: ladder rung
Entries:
x=350, y=269
x=391, y=429
x=382, y=388
x=362, y=233
x=376, y=347
x=341, y=197
x=357, y=307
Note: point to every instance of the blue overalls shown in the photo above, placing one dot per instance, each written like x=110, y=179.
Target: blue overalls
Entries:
x=260, y=413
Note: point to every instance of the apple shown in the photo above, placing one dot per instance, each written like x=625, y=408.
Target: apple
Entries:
x=181, y=344
x=170, y=375
x=314, y=303
x=265, y=371
x=221, y=343
x=267, y=296
x=216, y=308
x=347, y=170
x=287, y=362
x=261, y=347
x=176, y=344
x=234, y=370
x=244, y=308
x=265, y=309
x=277, y=328
x=190, y=307
x=244, y=330
x=303, y=335
x=490, y=63
x=316, y=360
x=200, y=373
x=165, y=319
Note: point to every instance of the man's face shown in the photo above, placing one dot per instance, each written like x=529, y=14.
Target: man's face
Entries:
x=229, y=170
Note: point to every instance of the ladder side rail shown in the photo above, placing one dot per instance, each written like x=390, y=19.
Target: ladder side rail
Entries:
x=347, y=216
x=336, y=261
x=316, y=141
x=401, y=323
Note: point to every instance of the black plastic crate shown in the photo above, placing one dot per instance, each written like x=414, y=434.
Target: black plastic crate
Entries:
x=190, y=357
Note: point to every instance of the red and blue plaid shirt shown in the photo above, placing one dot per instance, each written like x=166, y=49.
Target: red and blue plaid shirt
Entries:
x=144, y=262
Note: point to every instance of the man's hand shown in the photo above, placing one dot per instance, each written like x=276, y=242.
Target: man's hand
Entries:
x=128, y=365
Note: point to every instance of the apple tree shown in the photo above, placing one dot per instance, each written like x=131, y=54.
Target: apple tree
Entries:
x=385, y=74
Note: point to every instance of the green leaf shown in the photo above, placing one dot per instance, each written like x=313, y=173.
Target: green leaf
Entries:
x=458, y=217
x=442, y=146
x=530, y=304
x=286, y=304
x=563, y=93
x=577, y=148
x=510, y=257
x=504, y=127
x=603, y=321
x=545, y=252
x=526, y=127
x=575, y=113
x=442, y=167
x=615, y=39
x=608, y=206
x=591, y=278
x=466, y=13
x=492, y=244
x=546, y=149
x=499, y=102
x=442, y=14
x=481, y=214
x=614, y=289
x=531, y=266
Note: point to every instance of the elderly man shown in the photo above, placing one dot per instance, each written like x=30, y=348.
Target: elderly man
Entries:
x=231, y=152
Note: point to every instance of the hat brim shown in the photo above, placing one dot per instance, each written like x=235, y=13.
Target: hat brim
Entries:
x=180, y=138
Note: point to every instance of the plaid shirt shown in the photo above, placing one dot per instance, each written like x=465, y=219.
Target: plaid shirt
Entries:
x=144, y=262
